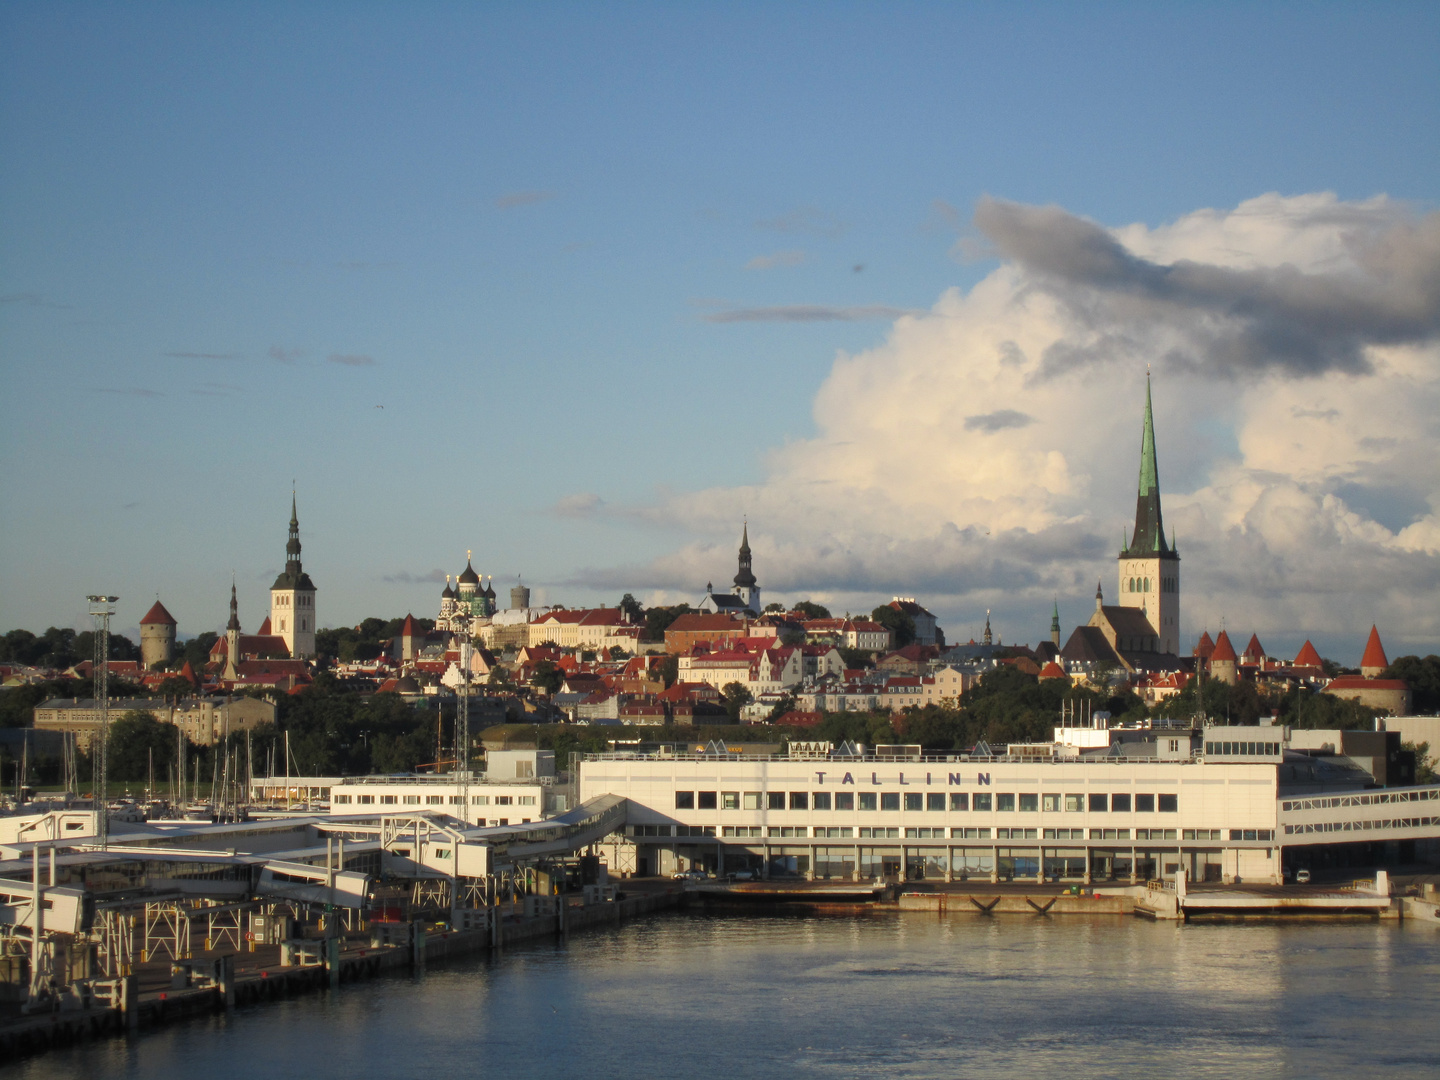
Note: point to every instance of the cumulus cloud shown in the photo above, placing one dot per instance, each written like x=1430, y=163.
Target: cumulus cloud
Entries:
x=523, y=198
x=998, y=420
x=778, y=258
x=985, y=453
x=351, y=359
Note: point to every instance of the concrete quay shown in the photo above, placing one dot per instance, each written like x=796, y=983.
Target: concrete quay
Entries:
x=151, y=999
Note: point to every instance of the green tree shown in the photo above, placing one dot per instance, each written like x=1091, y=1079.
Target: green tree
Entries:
x=774, y=609
x=174, y=687
x=735, y=697
x=196, y=651
x=1424, y=769
x=548, y=677
x=658, y=620
x=631, y=608
x=900, y=625
x=670, y=670
x=134, y=738
x=1423, y=677
x=811, y=610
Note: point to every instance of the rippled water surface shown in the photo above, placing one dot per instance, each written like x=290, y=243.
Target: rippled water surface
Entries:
x=839, y=996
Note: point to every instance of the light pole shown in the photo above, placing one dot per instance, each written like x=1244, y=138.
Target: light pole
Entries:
x=101, y=611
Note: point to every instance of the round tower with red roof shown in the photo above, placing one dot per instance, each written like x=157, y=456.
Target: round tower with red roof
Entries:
x=157, y=638
x=1374, y=662
x=1224, y=664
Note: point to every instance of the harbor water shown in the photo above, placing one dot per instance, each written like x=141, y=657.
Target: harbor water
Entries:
x=848, y=996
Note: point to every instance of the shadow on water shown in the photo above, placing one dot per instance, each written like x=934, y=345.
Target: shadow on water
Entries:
x=822, y=994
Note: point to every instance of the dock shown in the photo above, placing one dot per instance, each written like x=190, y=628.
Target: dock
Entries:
x=155, y=995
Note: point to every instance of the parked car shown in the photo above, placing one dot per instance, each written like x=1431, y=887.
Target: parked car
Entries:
x=1302, y=877
x=688, y=875
x=741, y=875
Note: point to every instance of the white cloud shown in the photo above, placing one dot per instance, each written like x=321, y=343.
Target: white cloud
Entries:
x=985, y=454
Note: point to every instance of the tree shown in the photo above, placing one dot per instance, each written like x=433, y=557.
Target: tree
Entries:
x=774, y=609
x=658, y=619
x=670, y=670
x=196, y=651
x=735, y=697
x=811, y=610
x=174, y=687
x=136, y=739
x=1423, y=677
x=900, y=625
x=631, y=608
x=1424, y=770
x=547, y=677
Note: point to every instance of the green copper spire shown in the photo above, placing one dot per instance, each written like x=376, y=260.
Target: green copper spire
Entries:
x=1149, y=535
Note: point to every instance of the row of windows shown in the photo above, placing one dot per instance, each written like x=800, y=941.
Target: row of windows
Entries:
x=434, y=800
x=301, y=600
x=1001, y=802
x=1247, y=749
x=1142, y=584
x=892, y=832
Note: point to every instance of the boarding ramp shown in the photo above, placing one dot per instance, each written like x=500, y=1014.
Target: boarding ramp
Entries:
x=1409, y=813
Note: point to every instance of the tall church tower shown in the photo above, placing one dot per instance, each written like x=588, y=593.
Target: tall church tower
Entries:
x=292, y=598
x=1149, y=566
x=745, y=587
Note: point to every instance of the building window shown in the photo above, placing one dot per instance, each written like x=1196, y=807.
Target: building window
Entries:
x=959, y=800
x=504, y=800
x=1029, y=803
x=844, y=800
x=821, y=800
x=775, y=800
x=1169, y=804
x=1097, y=804
x=1074, y=803
x=527, y=800
x=684, y=800
x=935, y=800
x=751, y=800
x=1144, y=804
x=729, y=800
x=982, y=801
x=365, y=800
x=1051, y=804
x=342, y=799
x=412, y=800
x=1120, y=804
x=799, y=800
x=707, y=800
x=387, y=800
x=914, y=800
x=889, y=800
x=1005, y=803
x=479, y=800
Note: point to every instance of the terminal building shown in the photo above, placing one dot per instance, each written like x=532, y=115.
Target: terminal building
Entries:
x=1222, y=804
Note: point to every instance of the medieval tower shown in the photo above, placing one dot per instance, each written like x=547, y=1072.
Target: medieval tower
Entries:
x=1150, y=566
x=292, y=599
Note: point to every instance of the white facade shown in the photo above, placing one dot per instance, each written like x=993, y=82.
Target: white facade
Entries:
x=1075, y=818
x=507, y=802
x=1153, y=585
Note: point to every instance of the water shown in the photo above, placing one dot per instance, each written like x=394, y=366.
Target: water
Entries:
x=840, y=996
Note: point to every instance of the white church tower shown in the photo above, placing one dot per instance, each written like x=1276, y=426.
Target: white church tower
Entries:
x=292, y=599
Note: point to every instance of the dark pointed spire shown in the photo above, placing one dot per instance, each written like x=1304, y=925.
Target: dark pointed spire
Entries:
x=292, y=546
x=745, y=579
x=234, y=623
x=1149, y=535
x=988, y=637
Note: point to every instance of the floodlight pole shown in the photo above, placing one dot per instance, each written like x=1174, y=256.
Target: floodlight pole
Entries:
x=101, y=611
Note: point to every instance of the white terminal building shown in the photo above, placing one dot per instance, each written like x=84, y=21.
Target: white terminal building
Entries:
x=1100, y=804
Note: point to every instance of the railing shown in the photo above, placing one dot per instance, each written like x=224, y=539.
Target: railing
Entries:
x=1194, y=758
x=1370, y=798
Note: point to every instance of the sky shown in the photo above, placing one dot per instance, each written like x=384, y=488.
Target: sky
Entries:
x=580, y=287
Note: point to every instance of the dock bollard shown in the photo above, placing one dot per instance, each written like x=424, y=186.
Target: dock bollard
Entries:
x=130, y=1003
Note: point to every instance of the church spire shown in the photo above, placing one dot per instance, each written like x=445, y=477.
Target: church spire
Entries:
x=1055, y=623
x=1149, y=535
x=745, y=579
x=292, y=546
x=234, y=623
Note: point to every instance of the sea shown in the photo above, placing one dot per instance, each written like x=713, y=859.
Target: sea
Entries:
x=903, y=995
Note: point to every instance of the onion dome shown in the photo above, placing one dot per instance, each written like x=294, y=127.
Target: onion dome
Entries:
x=468, y=577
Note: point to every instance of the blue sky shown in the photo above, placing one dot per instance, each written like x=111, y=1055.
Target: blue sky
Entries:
x=603, y=254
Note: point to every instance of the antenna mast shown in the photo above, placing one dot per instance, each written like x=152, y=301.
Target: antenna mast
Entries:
x=101, y=611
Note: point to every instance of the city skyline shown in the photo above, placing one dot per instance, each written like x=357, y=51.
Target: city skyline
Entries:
x=582, y=294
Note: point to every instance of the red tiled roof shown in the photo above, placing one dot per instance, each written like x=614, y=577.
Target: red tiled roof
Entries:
x=1254, y=648
x=408, y=628
x=1308, y=657
x=158, y=615
x=1374, y=652
x=1204, y=647
x=1052, y=670
x=1359, y=682
x=1223, y=649
x=265, y=627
